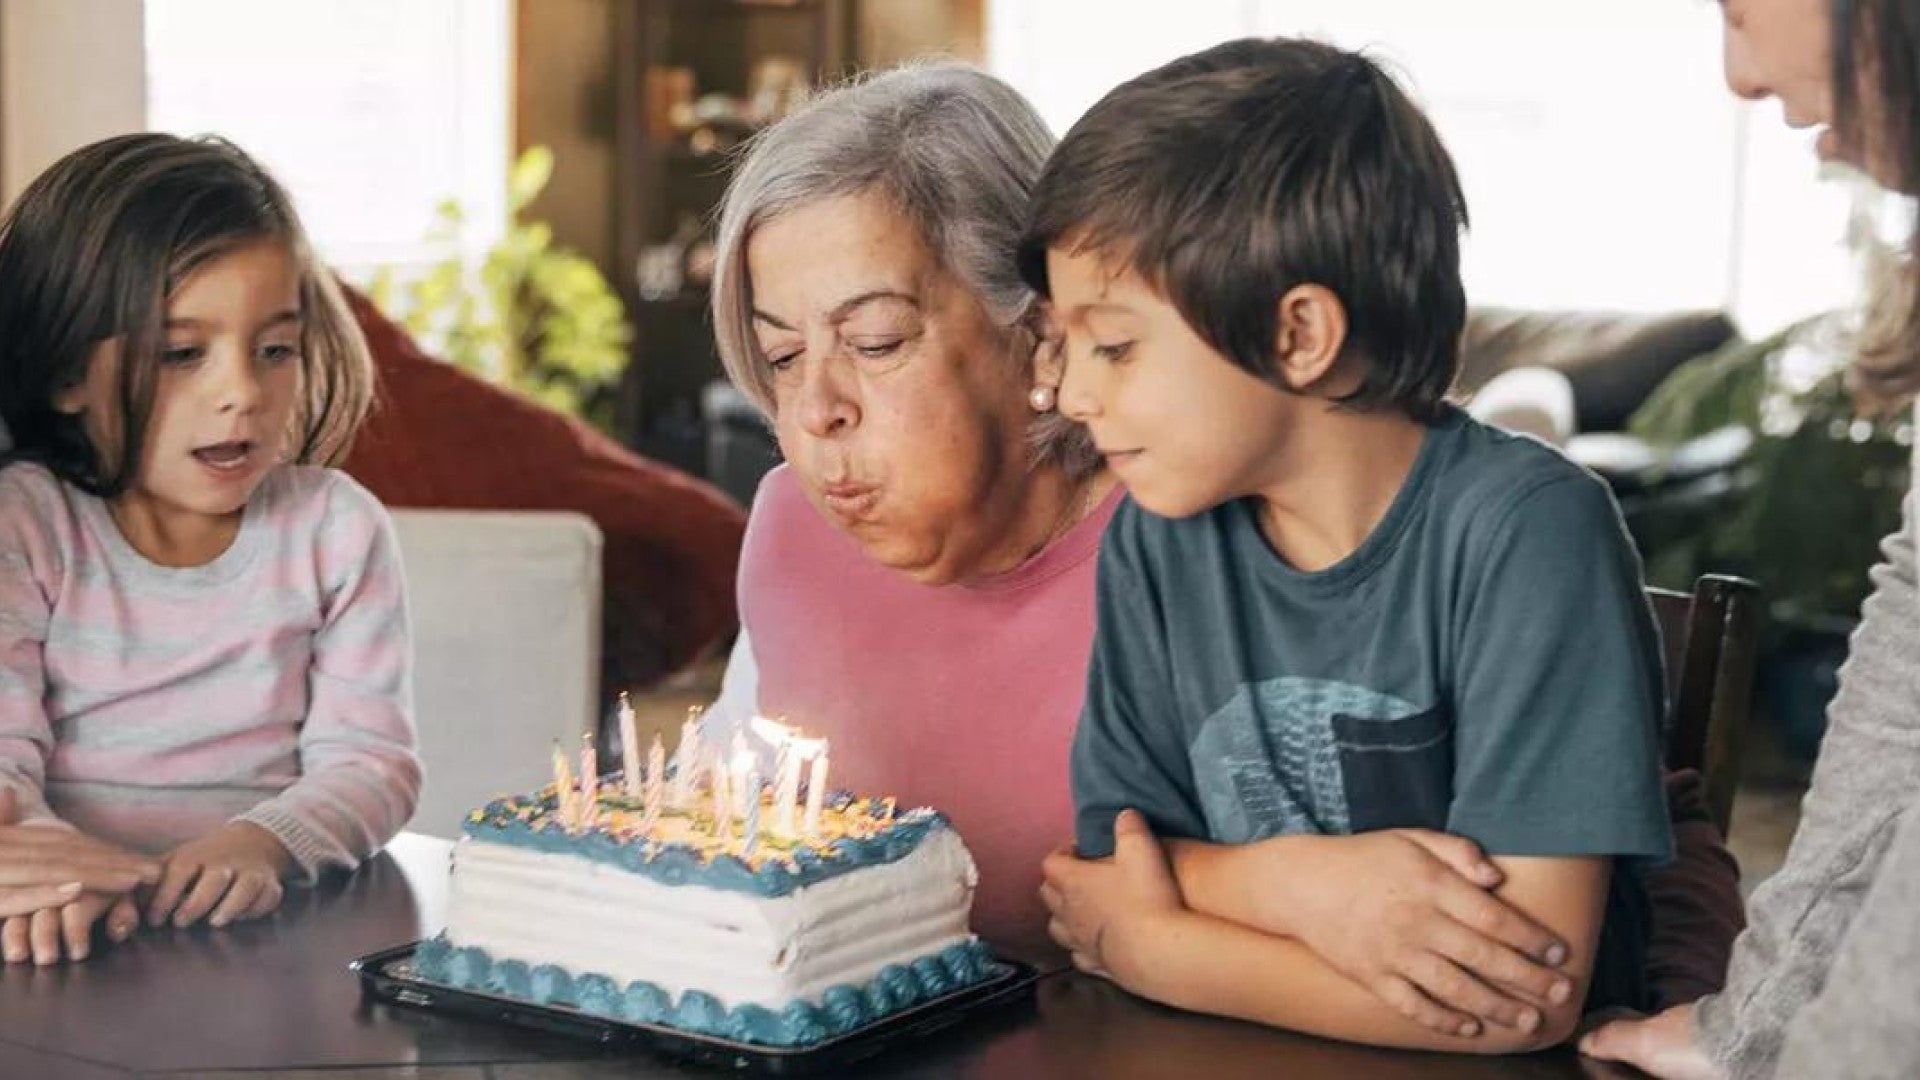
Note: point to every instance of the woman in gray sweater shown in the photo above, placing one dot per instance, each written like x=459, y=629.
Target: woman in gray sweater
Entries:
x=1826, y=980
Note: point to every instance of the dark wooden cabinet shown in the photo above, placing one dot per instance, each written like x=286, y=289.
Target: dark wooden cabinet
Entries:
x=691, y=79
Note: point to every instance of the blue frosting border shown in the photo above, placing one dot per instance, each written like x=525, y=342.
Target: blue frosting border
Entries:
x=842, y=1009
x=681, y=864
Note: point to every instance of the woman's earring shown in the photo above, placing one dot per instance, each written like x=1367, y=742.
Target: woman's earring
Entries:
x=1041, y=398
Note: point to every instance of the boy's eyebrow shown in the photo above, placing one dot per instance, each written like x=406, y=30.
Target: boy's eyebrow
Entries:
x=1094, y=307
x=845, y=307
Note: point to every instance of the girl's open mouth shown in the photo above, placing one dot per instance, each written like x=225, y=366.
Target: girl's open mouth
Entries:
x=226, y=457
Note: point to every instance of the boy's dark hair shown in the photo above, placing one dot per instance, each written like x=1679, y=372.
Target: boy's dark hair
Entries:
x=1231, y=176
x=91, y=253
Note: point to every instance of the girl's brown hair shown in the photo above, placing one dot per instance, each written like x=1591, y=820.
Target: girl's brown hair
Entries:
x=91, y=253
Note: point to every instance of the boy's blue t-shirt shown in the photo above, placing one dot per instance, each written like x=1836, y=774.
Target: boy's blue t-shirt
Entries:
x=1485, y=663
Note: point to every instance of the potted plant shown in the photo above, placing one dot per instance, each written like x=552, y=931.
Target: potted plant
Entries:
x=532, y=316
x=1818, y=487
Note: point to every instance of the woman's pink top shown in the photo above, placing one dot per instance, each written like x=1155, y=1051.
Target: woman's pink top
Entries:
x=960, y=697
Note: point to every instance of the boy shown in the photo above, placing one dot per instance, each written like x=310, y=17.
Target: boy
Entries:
x=1333, y=604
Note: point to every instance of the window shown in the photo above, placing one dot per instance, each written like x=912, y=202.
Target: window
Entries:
x=1605, y=165
x=370, y=111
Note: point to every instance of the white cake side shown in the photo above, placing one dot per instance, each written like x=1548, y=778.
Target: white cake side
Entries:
x=594, y=918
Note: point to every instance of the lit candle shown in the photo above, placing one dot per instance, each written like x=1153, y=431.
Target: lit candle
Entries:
x=656, y=760
x=786, y=793
x=562, y=785
x=722, y=806
x=753, y=815
x=629, y=749
x=686, y=759
x=816, y=790
x=656, y=773
x=589, y=781
x=742, y=766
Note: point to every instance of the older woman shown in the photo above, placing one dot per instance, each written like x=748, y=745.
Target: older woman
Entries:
x=917, y=580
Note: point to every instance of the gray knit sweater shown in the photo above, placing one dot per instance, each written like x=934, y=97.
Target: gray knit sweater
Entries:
x=1826, y=980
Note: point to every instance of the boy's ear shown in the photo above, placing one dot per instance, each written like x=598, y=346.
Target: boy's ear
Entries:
x=1310, y=333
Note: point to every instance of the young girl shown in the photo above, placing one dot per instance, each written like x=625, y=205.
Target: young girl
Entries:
x=203, y=641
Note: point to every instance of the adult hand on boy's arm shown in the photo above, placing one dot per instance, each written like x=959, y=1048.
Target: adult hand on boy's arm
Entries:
x=231, y=873
x=1123, y=918
x=1407, y=913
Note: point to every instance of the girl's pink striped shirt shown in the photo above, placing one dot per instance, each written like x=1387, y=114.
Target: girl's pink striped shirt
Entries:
x=148, y=705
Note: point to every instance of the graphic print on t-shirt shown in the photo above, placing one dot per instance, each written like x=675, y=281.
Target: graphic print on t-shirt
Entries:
x=1294, y=755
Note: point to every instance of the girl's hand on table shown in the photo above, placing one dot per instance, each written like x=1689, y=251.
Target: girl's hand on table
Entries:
x=230, y=874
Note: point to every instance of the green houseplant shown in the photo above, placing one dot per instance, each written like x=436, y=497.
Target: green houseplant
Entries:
x=1819, y=487
x=533, y=316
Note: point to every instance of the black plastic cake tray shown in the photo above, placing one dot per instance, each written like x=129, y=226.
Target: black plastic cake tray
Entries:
x=389, y=976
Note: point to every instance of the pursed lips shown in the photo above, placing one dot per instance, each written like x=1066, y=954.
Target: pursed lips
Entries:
x=849, y=498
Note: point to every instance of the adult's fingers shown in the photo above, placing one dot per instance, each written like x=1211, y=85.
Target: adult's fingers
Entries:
x=15, y=945
x=36, y=866
x=43, y=931
x=27, y=899
x=76, y=927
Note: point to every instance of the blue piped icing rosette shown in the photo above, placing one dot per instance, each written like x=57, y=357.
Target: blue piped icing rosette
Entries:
x=841, y=1010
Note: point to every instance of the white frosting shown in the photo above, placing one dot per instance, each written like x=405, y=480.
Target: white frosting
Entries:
x=593, y=918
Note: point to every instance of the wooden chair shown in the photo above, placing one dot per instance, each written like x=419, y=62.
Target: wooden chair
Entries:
x=1711, y=639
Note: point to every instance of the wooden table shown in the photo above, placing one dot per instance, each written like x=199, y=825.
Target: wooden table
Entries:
x=275, y=999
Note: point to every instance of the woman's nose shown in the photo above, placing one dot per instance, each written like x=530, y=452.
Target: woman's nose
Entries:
x=827, y=407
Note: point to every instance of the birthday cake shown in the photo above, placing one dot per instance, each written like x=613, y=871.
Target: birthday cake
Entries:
x=708, y=901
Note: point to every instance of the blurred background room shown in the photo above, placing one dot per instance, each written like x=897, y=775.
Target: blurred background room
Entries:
x=520, y=191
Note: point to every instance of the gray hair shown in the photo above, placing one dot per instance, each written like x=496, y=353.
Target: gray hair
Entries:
x=955, y=150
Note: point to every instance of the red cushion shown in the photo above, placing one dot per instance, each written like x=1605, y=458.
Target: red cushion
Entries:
x=442, y=438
